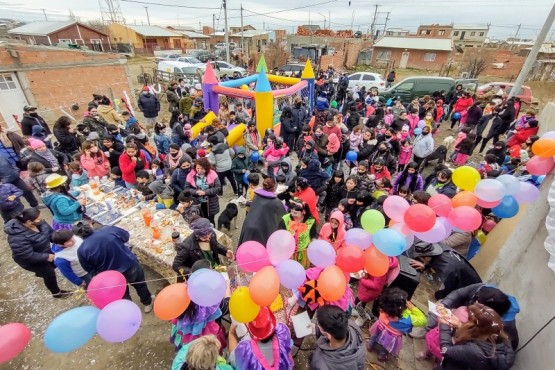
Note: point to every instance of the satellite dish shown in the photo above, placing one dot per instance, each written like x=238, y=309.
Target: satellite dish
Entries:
x=459, y=49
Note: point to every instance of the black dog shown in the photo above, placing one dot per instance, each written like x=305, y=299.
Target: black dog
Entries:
x=228, y=216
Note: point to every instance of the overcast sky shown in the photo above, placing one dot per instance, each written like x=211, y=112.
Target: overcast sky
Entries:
x=503, y=15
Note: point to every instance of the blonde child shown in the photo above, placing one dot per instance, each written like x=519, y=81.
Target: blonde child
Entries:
x=37, y=177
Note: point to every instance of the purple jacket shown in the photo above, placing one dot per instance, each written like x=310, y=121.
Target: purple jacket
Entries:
x=418, y=186
x=246, y=360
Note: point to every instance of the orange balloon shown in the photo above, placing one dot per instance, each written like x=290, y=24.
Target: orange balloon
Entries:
x=264, y=286
x=172, y=301
x=331, y=283
x=465, y=198
x=544, y=148
x=376, y=263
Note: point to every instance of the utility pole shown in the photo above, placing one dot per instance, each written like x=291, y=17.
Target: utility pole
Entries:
x=213, y=23
x=374, y=21
x=242, y=35
x=385, y=24
x=147, y=16
x=531, y=59
x=44, y=12
x=226, y=34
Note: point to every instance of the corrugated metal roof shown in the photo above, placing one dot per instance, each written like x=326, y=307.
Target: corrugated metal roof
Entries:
x=418, y=43
x=194, y=35
x=40, y=28
x=153, y=31
x=470, y=27
x=252, y=33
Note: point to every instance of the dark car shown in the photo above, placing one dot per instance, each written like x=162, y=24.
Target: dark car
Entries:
x=417, y=87
x=202, y=55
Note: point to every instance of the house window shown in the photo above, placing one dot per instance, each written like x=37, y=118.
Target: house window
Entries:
x=481, y=33
x=80, y=41
x=65, y=40
x=441, y=32
x=423, y=32
x=456, y=33
x=472, y=33
x=429, y=57
x=7, y=82
x=384, y=54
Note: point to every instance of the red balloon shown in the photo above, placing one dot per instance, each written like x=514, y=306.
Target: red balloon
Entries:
x=465, y=218
x=350, y=259
x=13, y=340
x=489, y=205
x=420, y=218
x=441, y=204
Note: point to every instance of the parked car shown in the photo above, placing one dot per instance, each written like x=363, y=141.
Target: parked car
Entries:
x=201, y=55
x=413, y=87
x=168, y=70
x=370, y=81
x=167, y=56
x=291, y=69
x=190, y=60
x=225, y=68
x=221, y=45
x=525, y=93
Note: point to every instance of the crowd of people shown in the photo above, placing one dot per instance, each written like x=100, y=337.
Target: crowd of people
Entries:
x=315, y=177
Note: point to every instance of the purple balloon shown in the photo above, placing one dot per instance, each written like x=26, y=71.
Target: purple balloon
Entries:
x=446, y=225
x=421, y=124
x=527, y=193
x=291, y=274
x=119, y=321
x=280, y=246
x=207, y=288
x=548, y=135
x=321, y=253
x=490, y=190
x=434, y=235
x=359, y=238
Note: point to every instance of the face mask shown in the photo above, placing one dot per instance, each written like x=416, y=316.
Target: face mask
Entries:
x=298, y=105
x=34, y=114
x=382, y=150
x=174, y=154
x=388, y=136
x=318, y=135
x=425, y=133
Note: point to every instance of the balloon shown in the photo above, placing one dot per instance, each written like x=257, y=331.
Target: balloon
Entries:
x=527, y=193
x=446, y=226
x=481, y=237
x=351, y=156
x=264, y=286
x=241, y=306
x=540, y=179
x=466, y=177
x=358, y=237
x=490, y=190
x=407, y=233
x=350, y=259
x=417, y=131
x=106, y=287
x=291, y=274
x=14, y=338
x=419, y=218
x=254, y=157
x=507, y=208
x=372, y=221
x=435, y=234
x=332, y=283
x=548, y=135
x=119, y=321
x=171, y=302
x=421, y=125
x=375, y=262
x=72, y=329
x=544, y=148
x=252, y=256
x=465, y=218
x=246, y=178
x=206, y=287
x=465, y=198
x=441, y=204
x=321, y=253
x=456, y=115
x=395, y=207
x=512, y=185
x=540, y=166
x=390, y=242
x=280, y=246
x=488, y=205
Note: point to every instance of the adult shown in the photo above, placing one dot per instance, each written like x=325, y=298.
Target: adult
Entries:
x=220, y=158
x=384, y=152
x=288, y=129
x=302, y=225
x=11, y=145
x=453, y=270
x=130, y=162
x=376, y=119
x=177, y=126
x=423, y=145
x=201, y=354
x=30, y=119
x=64, y=133
x=454, y=95
x=172, y=97
x=10, y=174
x=520, y=135
x=174, y=156
x=264, y=215
x=342, y=86
x=204, y=184
x=409, y=178
x=474, y=114
x=149, y=104
x=179, y=175
x=107, y=249
x=400, y=121
x=367, y=145
x=112, y=150
x=201, y=244
x=93, y=122
x=241, y=114
x=93, y=160
x=321, y=142
x=52, y=160
x=442, y=184
x=461, y=106
x=66, y=210
x=300, y=115
x=390, y=79
x=108, y=113
x=29, y=239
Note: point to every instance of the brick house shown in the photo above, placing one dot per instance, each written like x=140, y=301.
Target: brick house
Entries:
x=412, y=52
x=146, y=39
x=439, y=31
x=52, y=79
x=68, y=32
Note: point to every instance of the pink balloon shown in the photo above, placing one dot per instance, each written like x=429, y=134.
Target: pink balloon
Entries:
x=280, y=246
x=446, y=225
x=490, y=190
x=441, y=204
x=252, y=256
x=106, y=287
x=489, y=205
x=527, y=193
x=435, y=234
x=419, y=218
x=540, y=166
x=14, y=338
x=465, y=218
x=395, y=207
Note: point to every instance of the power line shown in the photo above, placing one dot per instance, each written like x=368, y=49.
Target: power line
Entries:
x=171, y=5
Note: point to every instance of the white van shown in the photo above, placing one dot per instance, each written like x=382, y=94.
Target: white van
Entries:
x=170, y=70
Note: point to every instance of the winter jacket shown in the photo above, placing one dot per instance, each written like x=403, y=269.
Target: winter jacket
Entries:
x=173, y=100
x=61, y=157
x=366, y=149
x=288, y=128
x=387, y=157
x=447, y=188
x=189, y=252
x=67, y=262
x=28, y=121
x=65, y=210
x=95, y=124
x=211, y=192
x=148, y=104
x=370, y=288
x=289, y=173
x=109, y=114
x=316, y=177
x=238, y=165
x=423, y=146
x=179, y=178
x=520, y=136
x=349, y=357
x=162, y=143
x=95, y=166
x=220, y=157
x=28, y=247
x=106, y=249
x=68, y=141
x=321, y=143
x=263, y=219
x=462, y=104
x=419, y=182
x=273, y=154
x=334, y=144
x=300, y=116
x=328, y=130
x=383, y=173
x=145, y=190
x=115, y=153
x=252, y=141
x=129, y=168
x=322, y=103
x=185, y=104
x=474, y=115
x=326, y=231
x=7, y=190
x=459, y=242
x=79, y=179
x=405, y=154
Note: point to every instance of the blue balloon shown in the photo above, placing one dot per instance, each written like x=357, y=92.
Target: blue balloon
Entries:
x=390, y=242
x=417, y=131
x=351, y=156
x=540, y=179
x=71, y=330
x=456, y=115
x=255, y=156
x=507, y=208
x=246, y=178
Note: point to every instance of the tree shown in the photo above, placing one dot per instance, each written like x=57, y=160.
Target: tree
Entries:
x=98, y=25
x=475, y=65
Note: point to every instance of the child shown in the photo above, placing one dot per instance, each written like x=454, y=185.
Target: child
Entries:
x=464, y=149
x=65, y=246
x=164, y=193
x=383, y=187
x=333, y=191
x=143, y=182
x=115, y=176
x=240, y=166
x=344, y=207
x=254, y=184
x=404, y=192
x=489, y=166
x=334, y=231
x=186, y=206
x=303, y=138
x=79, y=176
x=349, y=191
x=10, y=205
x=379, y=170
x=397, y=317
x=161, y=140
x=129, y=120
x=405, y=155
x=274, y=153
x=460, y=137
x=37, y=177
x=39, y=133
x=355, y=138
x=157, y=169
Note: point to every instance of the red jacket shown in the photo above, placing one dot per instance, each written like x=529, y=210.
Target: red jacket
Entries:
x=309, y=197
x=127, y=167
x=383, y=173
x=462, y=104
x=370, y=288
x=521, y=135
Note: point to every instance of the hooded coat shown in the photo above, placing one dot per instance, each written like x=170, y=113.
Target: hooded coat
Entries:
x=65, y=210
x=349, y=357
x=189, y=252
x=499, y=153
x=148, y=104
x=334, y=144
x=288, y=172
x=238, y=165
x=521, y=135
x=326, y=231
x=179, y=179
x=264, y=217
x=28, y=247
x=109, y=114
x=220, y=157
x=316, y=177
x=369, y=289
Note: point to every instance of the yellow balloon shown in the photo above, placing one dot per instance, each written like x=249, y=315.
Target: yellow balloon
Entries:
x=244, y=87
x=242, y=307
x=481, y=237
x=466, y=177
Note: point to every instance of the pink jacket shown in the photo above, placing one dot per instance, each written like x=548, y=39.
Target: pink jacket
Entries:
x=388, y=118
x=413, y=120
x=343, y=303
x=325, y=232
x=370, y=288
x=405, y=154
x=333, y=144
x=93, y=167
x=460, y=137
x=273, y=154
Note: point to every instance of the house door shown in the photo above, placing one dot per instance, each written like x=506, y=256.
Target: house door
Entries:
x=12, y=99
x=462, y=35
x=96, y=44
x=404, y=60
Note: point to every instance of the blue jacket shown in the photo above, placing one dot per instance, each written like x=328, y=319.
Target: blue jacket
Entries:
x=149, y=105
x=132, y=121
x=64, y=209
x=28, y=247
x=8, y=171
x=179, y=179
x=79, y=180
x=322, y=103
x=64, y=265
x=106, y=249
x=7, y=190
x=316, y=177
x=162, y=143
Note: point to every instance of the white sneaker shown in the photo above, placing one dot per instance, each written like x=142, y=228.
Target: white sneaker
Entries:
x=292, y=301
x=148, y=308
x=360, y=322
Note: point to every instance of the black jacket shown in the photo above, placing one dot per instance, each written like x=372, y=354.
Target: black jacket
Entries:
x=263, y=218
x=114, y=154
x=68, y=141
x=149, y=104
x=61, y=157
x=189, y=252
x=28, y=247
x=8, y=173
x=173, y=100
x=288, y=127
x=300, y=117
x=27, y=123
x=454, y=271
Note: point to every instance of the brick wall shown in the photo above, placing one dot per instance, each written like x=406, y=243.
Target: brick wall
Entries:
x=416, y=58
x=345, y=54
x=500, y=63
